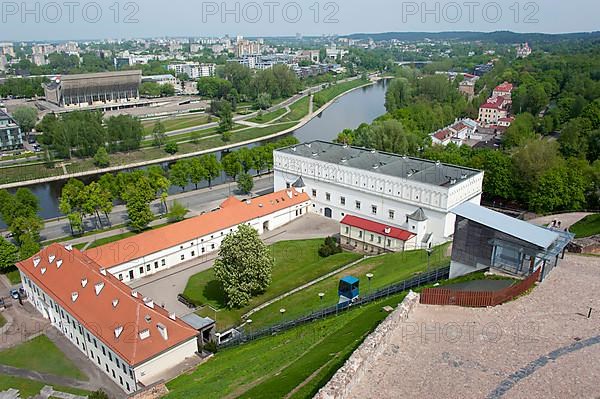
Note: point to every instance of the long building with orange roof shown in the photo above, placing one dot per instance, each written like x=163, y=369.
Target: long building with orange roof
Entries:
x=156, y=250
x=128, y=337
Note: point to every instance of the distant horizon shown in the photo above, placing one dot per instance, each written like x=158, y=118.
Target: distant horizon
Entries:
x=314, y=36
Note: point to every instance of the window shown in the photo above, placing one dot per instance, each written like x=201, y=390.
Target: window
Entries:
x=113, y=373
x=142, y=270
x=203, y=249
x=379, y=240
x=88, y=336
x=164, y=262
x=103, y=350
x=347, y=229
x=358, y=205
x=110, y=356
x=374, y=209
x=389, y=243
x=121, y=380
x=360, y=234
x=392, y=214
x=327, y=197
x=342, y=201
x=147, y=268
x=212, y=246
x=156, y=265
x=121, y=277
x=193, y=253
x=372, y=237
x=182, y=257
x=95, y=343
x=314, y=193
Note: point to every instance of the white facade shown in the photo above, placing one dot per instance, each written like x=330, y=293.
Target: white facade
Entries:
x=92, y=346
x=196, y=248
x=338, y=190
x=194, y=70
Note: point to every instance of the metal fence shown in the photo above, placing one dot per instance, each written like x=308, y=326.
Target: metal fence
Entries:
x=414, y=282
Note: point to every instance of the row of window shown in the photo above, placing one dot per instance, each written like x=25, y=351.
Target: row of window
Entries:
x=357, y=204
x=372, y=238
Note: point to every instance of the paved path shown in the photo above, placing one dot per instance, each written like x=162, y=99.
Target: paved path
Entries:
x=46, y=378
x=541, y=345
x=566, y=219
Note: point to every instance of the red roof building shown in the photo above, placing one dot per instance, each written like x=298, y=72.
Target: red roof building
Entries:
x=370, y=236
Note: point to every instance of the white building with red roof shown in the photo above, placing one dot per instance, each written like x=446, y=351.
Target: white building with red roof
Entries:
x=503, y=90
x=493, y=110
x=457, y=133
x=130, y=338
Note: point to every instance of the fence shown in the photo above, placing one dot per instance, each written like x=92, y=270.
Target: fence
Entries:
x=444, y=296
x=414, y=282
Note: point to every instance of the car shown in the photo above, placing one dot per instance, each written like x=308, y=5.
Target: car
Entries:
x=14, y=294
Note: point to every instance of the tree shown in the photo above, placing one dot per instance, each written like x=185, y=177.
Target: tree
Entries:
x=125, y=133
x=226, y=121
x=167, y=90
x=158, y=134
x=245, y=183
x=9, y=255
x=29, y=246
x=26, y=117
x=263, y=101
x=99, y=394
x=244, y=266
x=196, y=171
x=232, y=165
x=101, y=159
x=177, y=212
x=138, y=198
x=329, y=247
x=71, y=203
x=171, y=148
x=179, y=173
x=212, y=166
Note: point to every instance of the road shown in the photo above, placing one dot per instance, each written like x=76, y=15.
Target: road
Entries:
x=196, y=201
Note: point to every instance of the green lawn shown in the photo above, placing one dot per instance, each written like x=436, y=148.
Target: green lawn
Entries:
x=269, y=116
x=14, y=276
x=387, y=269
x=588, y=226
x=179, y=122
x=274, y=366
x=29, y=388
x=40, y=354
x=332, y=92
x=298, y=110
x=296, y=263
x=2, y=320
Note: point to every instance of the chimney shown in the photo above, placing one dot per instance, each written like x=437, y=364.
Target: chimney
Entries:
x=162, y=329
x=98, y=287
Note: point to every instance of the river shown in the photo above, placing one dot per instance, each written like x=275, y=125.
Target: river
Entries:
x=348, y=112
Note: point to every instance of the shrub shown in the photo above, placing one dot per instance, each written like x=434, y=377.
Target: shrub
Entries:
x=329, y=247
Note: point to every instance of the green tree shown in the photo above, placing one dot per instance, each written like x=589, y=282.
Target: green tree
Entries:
x=232, y=166
x=244, y=266
x=101, y=159
x=167, y=90
x=263, y=101
x=138, y=199
x=245, y=183
x=226, y=121
x=158, y=134
x=197, y=172
x=9, y=255
x=125, y=133
x=179, y=173
x=177, y=212
x=71, y=203
x=29, y=246
x=171, y=148
x=26, y=117
x=212, y=166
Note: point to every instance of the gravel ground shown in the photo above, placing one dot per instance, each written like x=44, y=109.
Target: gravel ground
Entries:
x=541, y=345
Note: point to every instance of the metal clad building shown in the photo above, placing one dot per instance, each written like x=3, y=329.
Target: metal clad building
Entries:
x=94, y=88
x=11, y=136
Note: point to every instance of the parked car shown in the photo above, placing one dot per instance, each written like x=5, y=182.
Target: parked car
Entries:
x=14, y=294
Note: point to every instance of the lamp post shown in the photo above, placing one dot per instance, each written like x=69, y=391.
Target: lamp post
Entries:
x=369, y=276
x=282, y=311
x=429, y=252
x=321, y=295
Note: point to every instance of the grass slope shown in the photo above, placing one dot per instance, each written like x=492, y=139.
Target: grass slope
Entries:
x=588, y=226
x=296, y=263
x=29, y=388
x=40, y=354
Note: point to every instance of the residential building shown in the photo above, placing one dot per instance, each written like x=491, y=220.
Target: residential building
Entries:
x=493, y=110
x=378, y=186
x=486, y=239
x=247, y=47
x=11, y=136
x=129, y=338
x=192, y=239
x=457, y=133
x=91, y=89
x=161, y=79
x=193, y=69
x=503, y=90
x=308, y=55
x=333, y=53
x=7, y=49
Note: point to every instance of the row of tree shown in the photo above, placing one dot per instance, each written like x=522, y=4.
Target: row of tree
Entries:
x=82, y=133
x=19, y=212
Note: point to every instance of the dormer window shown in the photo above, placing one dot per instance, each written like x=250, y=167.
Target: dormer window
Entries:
x=51, y=258
x=115, y=302
x=84, y=282
x=74, y=296
x=59, y=263
x=118, y=331
x=98, y=288
x=144, y=334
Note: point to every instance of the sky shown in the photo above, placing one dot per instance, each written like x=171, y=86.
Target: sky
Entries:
x=100, y=19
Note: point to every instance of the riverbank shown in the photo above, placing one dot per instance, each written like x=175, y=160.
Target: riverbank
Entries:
x=239, y=139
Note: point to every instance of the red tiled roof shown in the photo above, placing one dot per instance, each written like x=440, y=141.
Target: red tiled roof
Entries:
x=494, y=103
x=504, y=87
x=375, y=227
x=233, y=212
x=443, y=134
x=62, y=277
x=459, y=126
x=507, y=119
